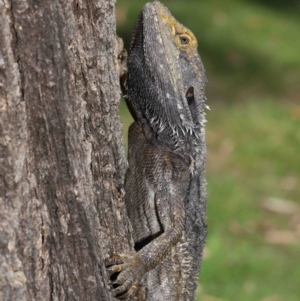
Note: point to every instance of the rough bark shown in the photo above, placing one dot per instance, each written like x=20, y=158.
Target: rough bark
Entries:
x=61, y=151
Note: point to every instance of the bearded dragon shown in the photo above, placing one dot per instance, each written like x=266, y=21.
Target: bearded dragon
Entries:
x=165, y=182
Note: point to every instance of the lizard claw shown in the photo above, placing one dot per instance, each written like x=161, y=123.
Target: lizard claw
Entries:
x=121, y=289
x=115, y=259
x=125, y=274
x=127, y=295
x=114, y=269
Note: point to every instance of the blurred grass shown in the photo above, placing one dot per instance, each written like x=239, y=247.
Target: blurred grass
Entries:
x=251, y=51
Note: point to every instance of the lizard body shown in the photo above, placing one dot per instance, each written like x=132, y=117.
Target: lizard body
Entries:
x=165, y=183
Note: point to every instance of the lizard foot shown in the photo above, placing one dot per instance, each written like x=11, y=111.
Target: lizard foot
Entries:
x=125, y=273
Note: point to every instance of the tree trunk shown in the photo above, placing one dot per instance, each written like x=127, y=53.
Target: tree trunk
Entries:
x=61, y=150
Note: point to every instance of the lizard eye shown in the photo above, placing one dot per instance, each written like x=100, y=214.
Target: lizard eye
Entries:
x=184, y=40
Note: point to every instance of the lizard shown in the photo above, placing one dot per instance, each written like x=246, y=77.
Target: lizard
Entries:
x=165, y=184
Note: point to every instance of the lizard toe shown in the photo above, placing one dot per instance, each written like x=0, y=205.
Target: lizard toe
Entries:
x=114, y=269
x=114, y=259
x=131, y=292
x=121, y=289
x=122, y=278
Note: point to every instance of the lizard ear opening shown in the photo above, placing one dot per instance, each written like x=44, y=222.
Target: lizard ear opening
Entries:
x=190, y=95
x=192, y=104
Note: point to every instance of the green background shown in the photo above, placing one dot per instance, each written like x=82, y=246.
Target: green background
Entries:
x=251, y=52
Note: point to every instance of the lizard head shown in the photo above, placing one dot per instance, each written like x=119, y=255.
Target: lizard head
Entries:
x=166, y=78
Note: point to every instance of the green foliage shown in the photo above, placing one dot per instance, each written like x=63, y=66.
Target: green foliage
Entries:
x=251, y=53
x=253, y=156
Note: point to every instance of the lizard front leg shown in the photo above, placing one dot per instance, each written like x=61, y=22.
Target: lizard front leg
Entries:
x=133, y=268
x=167, y=174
